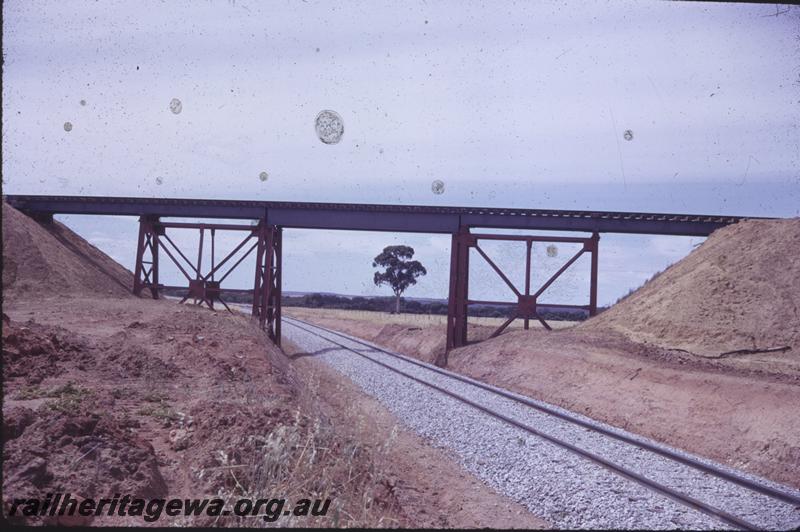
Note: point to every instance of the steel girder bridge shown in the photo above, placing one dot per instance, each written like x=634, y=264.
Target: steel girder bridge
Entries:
x=271, y=217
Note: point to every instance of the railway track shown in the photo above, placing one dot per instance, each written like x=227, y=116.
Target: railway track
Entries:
x=723, y=480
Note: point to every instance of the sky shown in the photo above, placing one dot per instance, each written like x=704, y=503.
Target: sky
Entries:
x=509, y=104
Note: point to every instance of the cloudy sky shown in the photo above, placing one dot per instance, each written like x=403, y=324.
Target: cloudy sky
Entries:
x=509, y=104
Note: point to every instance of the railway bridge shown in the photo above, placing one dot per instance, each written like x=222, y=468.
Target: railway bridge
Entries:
x=267, y=219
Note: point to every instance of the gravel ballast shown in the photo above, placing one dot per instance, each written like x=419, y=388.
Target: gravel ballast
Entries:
x=552, y=482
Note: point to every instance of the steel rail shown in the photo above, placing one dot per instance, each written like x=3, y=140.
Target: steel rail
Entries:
x=675, y=495
x=691, y=462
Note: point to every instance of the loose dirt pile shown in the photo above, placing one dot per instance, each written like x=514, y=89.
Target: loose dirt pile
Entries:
x=49, y=259
x=66, y=437
x=152, y=399
x=737, y=294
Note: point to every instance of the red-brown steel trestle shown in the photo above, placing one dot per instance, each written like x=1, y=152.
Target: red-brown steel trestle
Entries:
x=272, y=216
x=527, y=304
x=205, y=288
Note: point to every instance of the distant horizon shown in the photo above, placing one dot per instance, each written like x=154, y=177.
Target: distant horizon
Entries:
x=389, y=297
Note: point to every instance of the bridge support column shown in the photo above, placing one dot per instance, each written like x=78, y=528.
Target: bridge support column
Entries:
x=267, y=286
x=594, y=245
x=459, y=291
x=146, y=269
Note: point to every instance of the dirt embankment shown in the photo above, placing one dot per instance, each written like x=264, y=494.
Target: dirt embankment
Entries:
x=159, y=400
x=49, y=260
x=738, y=293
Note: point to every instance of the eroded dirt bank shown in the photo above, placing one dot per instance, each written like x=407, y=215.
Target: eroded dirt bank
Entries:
x=155, y=400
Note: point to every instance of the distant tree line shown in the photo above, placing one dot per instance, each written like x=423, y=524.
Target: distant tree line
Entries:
x=384, y=304
x=415, y=306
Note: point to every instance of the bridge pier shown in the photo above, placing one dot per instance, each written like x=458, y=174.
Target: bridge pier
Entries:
x=267, y=286
x=459, y=286
x=205, y=288
x=527, y=304
x=146, y=271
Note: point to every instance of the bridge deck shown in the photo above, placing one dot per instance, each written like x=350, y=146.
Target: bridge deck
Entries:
x=372, y=217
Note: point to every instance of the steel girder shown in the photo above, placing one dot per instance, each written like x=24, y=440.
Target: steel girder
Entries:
x=374, y=217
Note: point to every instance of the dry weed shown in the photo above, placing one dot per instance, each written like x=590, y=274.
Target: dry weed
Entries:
x=306, y=458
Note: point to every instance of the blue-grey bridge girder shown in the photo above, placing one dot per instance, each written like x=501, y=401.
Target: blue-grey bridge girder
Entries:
x=374, y=217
